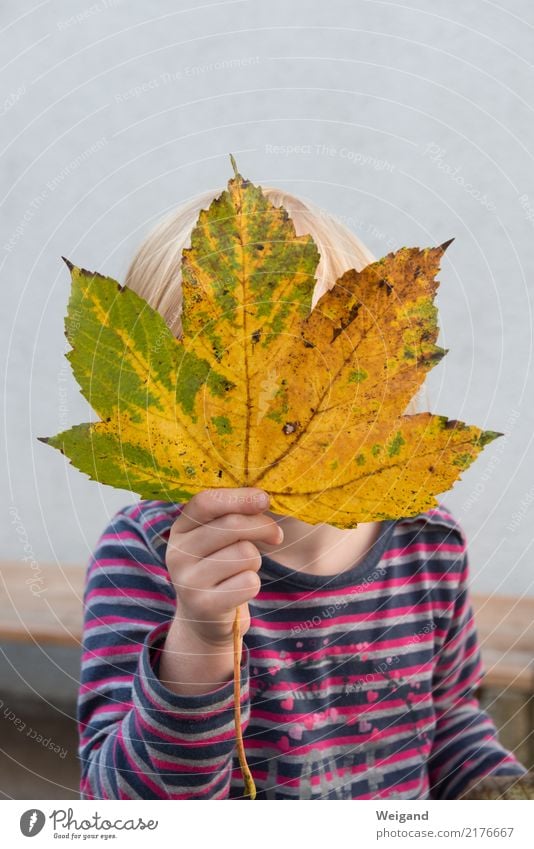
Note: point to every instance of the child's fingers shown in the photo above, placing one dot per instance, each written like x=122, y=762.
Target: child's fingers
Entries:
x=206, y=574
x=187, y=549
x=212, y=503
x=210, y=604
x=211, y=587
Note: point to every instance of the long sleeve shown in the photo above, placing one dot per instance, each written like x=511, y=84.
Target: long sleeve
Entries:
x=138, y=739
x=466, y=747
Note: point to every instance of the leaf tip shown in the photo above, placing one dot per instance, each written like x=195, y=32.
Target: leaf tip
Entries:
x=488, y=436
x=234, y=166
x=443, y=247
x=68, y=263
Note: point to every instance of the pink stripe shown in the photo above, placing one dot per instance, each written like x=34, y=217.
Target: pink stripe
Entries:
x=398, y=757
x=337, y=680
x=138, y=768
x=338, y=648
x=460, y=731
x=447, y=767
x=354, y=771
x=445, y=677
x=121, y=535
x=404, y=787
x=106, y=651
x=186, y=741
x=205, y=791
x=281, y=718
x=102, y=562
x=115, y=620
x=319, y=654
x=93, y=685
x=175, y=712
x=188, y=767
x=469, y=701
x=423, y=546
x=133, y=592
x=123, y=707
x=353, y=591
x=374, y=616
x=444, y=668
x=173, y=514
x=261, y=775
x=371, y=616
x=324, y=745
x=451, y=692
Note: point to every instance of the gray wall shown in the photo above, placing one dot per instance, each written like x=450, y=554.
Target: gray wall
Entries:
x=412, y=121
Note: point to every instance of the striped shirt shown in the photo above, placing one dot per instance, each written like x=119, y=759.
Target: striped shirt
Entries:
x=358, y=685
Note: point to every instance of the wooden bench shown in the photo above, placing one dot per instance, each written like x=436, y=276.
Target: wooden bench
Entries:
x=505, y=626
x=41, y=607
x=49, y=610
x=46, y=608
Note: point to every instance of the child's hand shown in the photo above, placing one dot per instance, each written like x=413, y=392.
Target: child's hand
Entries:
x=213, y=562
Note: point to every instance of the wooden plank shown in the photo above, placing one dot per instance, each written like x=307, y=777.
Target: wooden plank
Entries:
x=42, y=607
x=49, y=610
x=511, y=711
x=500, y=787
x=505, y=626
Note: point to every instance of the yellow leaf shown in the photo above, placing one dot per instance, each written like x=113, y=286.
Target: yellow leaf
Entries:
x=261, y=391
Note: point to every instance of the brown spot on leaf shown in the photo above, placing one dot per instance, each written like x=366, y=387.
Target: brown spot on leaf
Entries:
x=384, y=282
x=352, y=313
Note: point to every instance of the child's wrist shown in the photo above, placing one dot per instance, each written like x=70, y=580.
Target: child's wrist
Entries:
x=190, y=664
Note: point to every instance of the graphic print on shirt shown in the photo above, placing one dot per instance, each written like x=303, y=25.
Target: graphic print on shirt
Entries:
x=334, y=741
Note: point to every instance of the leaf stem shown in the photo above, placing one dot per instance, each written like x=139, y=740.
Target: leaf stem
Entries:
x=250, y=787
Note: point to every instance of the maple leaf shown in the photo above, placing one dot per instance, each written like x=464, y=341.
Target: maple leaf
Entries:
x=260, y=390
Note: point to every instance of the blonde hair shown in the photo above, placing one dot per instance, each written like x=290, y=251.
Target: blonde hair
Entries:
x=155, y=270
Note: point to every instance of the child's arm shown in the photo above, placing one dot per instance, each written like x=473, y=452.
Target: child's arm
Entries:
x=138, y=737
x=466, y=746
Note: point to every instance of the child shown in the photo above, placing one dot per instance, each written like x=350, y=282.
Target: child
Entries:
x=360, y=657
